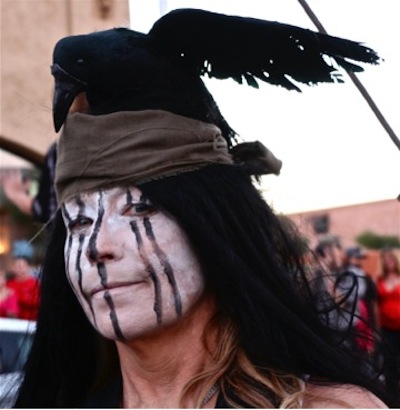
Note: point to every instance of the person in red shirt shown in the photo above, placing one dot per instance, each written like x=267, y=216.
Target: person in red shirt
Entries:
x=8, y=298
x=26, y=287
x=388, y=287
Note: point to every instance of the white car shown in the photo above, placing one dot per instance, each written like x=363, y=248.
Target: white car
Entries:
x=15, y=342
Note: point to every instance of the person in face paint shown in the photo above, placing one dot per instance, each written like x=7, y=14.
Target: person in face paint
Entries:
x=169, y=281
x=129, y=264
x=183, y=290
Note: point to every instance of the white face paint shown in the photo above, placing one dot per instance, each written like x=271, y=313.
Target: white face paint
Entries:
x=130, y=265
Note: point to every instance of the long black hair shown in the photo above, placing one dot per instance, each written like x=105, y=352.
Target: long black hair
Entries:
x=251, y=263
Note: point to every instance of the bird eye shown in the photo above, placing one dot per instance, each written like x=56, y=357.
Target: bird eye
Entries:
x=80, y=61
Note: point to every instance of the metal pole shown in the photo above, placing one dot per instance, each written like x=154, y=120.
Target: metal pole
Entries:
x=355, y=80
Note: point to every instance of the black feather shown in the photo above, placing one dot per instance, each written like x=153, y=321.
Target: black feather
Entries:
x=121, y=69
x=242, y=47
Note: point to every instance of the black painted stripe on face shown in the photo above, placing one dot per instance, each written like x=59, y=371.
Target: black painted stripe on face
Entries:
x=93, y=254
x=81, y=208
x=149, y=268
x=101, y=269
x=113, y=316
x=81, y=211
x=79, y=255
x=129, y=197
x=165, y=264
x=80, y=276
x=92, y=248
x=78, y=263
x=69, y=220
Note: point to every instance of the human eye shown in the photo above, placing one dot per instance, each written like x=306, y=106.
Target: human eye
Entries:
x=79, y=223
x=143, y=207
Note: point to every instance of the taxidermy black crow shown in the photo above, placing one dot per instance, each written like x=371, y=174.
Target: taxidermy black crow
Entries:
x=121, y=69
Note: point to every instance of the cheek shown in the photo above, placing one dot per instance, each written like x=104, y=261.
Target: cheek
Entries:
x=191, y=286
x=184, y=259
x=185, y=265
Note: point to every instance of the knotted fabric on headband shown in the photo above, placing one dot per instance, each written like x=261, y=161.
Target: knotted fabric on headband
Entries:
x=132, y=147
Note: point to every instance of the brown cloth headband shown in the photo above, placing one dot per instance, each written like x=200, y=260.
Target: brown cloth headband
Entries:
x=132, y=147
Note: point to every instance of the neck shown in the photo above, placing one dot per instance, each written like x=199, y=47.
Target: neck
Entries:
x=22, y=277
x=392, y=274
x=156, y=368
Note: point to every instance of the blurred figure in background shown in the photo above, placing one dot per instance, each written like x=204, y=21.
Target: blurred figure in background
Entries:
x=329, y=256
x=8, y=298
x=352, y=287
x=329, y=250
x=355, y=280
x=41, y=206
x=23, y=281
x=388, y=286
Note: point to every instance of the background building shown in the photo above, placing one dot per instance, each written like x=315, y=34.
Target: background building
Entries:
x=29, y=30
x=381, y=218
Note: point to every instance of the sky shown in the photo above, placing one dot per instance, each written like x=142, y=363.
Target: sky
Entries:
x=334, y=150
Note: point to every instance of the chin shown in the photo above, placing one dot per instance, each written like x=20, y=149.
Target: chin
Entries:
x=125, y=331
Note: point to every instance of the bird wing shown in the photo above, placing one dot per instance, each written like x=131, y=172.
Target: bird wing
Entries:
x=250, y=49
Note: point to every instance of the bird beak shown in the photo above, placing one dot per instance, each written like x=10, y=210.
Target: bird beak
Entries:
x=66, y=89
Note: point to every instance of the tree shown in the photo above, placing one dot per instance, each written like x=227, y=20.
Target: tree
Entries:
x=371, y=240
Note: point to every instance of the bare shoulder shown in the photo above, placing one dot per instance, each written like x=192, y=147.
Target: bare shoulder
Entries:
x=340, y=396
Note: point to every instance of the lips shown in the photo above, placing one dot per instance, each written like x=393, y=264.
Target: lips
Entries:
x=111, y=286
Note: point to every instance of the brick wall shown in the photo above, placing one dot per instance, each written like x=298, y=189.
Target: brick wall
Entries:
x=29, y=31
x=381, y=217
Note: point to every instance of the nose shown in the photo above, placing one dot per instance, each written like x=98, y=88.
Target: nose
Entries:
x=103, y=245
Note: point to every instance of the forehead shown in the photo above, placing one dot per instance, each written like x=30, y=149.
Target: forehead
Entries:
x=127, y=194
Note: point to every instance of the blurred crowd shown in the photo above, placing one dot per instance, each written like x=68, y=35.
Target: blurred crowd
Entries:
x=19, y=283
x=370, y=300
